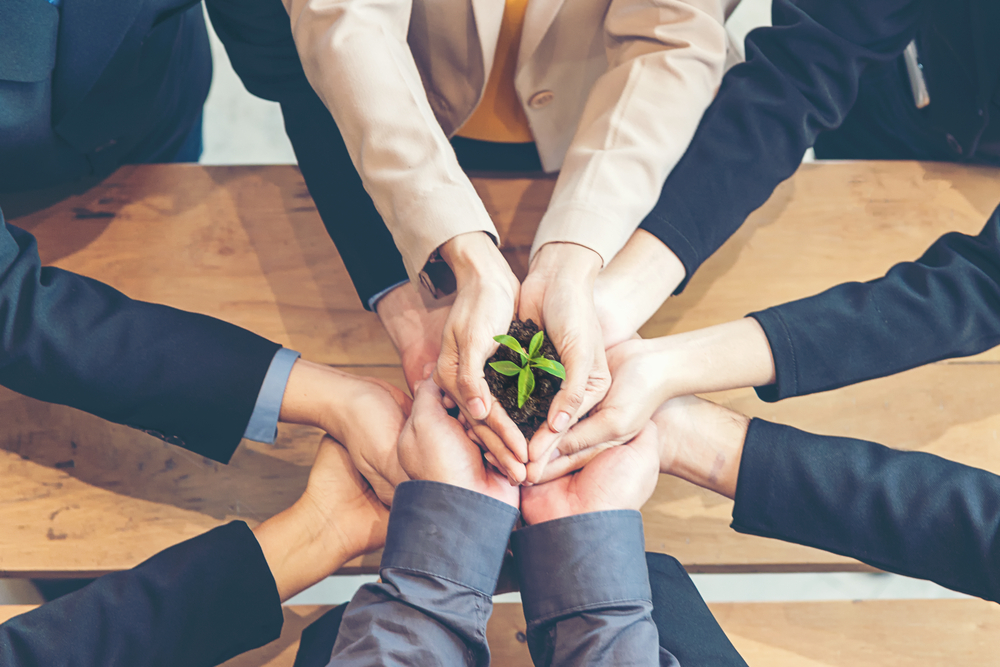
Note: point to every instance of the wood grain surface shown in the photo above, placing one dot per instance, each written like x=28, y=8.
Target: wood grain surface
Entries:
x=81, y=496
x=870, y=633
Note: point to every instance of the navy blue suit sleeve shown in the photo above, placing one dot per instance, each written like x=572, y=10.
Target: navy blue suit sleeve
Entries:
x=944, y=305
x=906, y=512
x=257, y=35
x=195, y=604
x=800, y=78
x=67, y=339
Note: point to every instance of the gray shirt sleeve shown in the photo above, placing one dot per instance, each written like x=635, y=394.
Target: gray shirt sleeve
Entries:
x=585, y=589
x=439, y=569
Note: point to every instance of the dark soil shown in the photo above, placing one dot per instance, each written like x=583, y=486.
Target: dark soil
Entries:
x=504, y=388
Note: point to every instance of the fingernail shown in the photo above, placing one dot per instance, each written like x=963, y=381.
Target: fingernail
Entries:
x=477, y=408
x=561, y=422
x=555, y=454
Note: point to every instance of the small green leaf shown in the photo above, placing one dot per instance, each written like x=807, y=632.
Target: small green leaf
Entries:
x=551, y=367
x=508, y=368
x=525, y=385
x=536, y=344
x=512, y=343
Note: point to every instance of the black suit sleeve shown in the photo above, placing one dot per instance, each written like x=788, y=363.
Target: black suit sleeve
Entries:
x=71, y=340
x=257, y=35
x=906, y=512
x=800, y=77
x=198, y=603
x=944, y=305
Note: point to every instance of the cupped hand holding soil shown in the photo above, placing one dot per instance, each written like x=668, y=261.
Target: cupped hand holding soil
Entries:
x=534, y=412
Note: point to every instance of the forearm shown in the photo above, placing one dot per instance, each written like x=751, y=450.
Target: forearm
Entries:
x=901, y=511
x=630, y=289
x=357, y=57
x=944, y=305
x=75, y=341
x=665, y=62
x=260, y=47
x=200, y=602
x=300, y=549
x=800, y=78
x=725, y=356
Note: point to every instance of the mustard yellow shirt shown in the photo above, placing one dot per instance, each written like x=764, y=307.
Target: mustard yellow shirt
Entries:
x=499, y=116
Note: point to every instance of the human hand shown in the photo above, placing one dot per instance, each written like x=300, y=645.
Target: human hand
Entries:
x=415, y=328
x=640, y=383
x=616, y=479
x=338, y=518
x=484, y=307
x=634, y=285
x=365, y=415
x=434, y=447
x=558, y=296
x=647, y=373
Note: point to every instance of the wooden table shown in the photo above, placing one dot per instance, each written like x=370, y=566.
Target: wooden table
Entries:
x=871, y=633
x=83, y=497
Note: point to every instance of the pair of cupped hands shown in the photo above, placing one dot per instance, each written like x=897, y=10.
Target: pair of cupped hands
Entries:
x=434, y=446
x=590, y=315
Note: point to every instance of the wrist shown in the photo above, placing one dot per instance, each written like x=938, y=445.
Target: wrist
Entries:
x=470, y=255
x=702, y=443
x=726, y=356
x=314, y=396
x=300, y=548
x=567, y=261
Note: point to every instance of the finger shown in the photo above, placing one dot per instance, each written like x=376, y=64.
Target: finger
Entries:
x=500, y=423
x=473, y=437
x=564, y=465
x=506, y=462
x=427, y=398
x=567, y=402
x=607, y=425
x=472, y=387
x=492, y=460
x=543, y=444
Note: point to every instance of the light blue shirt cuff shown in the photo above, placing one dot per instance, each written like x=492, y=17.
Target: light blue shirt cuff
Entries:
x=263, y=424
x=374, y=300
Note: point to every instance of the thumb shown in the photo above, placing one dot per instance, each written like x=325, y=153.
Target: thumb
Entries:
x=571, y=393
x=599, y=428
x=472, y=387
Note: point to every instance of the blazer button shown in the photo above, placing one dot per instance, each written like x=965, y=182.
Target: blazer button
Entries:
x=541, y=99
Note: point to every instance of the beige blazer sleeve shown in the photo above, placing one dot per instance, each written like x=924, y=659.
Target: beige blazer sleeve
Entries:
x=666, y=59
x=356, y=57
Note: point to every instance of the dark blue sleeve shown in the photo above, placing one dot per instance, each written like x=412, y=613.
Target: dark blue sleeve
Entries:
x=195, y=604
x=944, y=305
x=800, y=78
x=67, y=339
x=906, y=512
x=257, y=35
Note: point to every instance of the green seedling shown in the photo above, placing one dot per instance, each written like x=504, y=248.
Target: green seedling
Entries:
x=531, y=359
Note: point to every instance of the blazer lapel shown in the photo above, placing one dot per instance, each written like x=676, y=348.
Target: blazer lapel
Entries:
x=537, y=19
x=90, y=33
